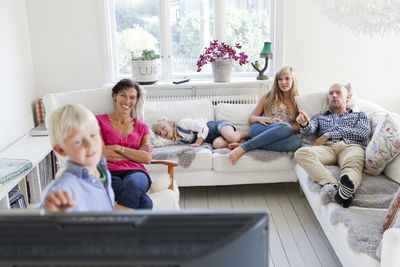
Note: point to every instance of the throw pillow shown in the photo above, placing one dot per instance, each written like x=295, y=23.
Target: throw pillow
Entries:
x=155, y=140
x=392, y=215
x=392, y=170
x=158, y=141
x=313, y=104
x=317, y=103
x=238, y=114
x=384, y=146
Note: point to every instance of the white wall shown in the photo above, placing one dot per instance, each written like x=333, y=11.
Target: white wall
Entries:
x=69, y=50
x=68, y=44
x=323, y=53
x=16, y=72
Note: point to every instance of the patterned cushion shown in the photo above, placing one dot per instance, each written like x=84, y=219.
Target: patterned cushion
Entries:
x=392, y=216
x=158, y=141
x=155, y=140
x=384, y=146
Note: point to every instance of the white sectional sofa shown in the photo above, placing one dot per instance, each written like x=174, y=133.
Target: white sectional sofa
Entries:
x=210, y=168
x=337, y=233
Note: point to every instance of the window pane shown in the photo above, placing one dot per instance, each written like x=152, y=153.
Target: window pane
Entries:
x=248, y=23
x=192, y=28
x=137, y=27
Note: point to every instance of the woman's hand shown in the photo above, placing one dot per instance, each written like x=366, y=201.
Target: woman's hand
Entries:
x=267, y=120
x=116, y=148
x=148, y=147
x=194, y=145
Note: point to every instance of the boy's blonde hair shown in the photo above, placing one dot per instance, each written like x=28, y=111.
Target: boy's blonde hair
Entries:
x=63, y=121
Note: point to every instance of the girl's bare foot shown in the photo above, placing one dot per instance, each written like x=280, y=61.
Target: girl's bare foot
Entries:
x=235, y=154
x=234, y=145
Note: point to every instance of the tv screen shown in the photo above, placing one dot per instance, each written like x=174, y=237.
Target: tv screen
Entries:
x=140, y=238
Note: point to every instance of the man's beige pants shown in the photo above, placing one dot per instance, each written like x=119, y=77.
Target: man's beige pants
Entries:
x=349, y=158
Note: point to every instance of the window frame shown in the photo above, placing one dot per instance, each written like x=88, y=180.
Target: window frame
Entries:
x=276, y=38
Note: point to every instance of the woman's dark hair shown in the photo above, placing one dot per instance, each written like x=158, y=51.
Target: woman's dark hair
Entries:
x=123, y=84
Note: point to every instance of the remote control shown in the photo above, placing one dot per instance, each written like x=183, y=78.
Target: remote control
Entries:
x=182, y=81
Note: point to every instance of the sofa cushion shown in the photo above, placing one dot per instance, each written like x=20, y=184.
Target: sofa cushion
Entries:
x=156, y=140
x=384, y=145
x=221, y=163
x=238, y=114
x=312, y=104
x=369, y=107
x=393, y=215
x=177, y=110
x=317, y=103
x=202, y=161
x=392, y=170
x=98, y=100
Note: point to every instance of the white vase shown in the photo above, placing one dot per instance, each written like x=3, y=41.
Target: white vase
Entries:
x=145, y=71
x=222, y=70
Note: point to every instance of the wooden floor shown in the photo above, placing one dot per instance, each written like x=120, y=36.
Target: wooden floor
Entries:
x=296, y=238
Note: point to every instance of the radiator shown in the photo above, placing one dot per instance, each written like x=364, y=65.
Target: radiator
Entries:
x=215, y=99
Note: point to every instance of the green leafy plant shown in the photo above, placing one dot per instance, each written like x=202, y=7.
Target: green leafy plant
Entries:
x=147, y=54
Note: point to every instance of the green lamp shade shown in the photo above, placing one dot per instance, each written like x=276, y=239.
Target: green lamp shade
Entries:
x=266, y=51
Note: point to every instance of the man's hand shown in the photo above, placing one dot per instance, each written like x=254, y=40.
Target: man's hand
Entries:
x=321, y=140
x=59, y=201
x=302, y=118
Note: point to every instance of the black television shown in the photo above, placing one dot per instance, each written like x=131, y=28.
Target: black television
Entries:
x=140, y=239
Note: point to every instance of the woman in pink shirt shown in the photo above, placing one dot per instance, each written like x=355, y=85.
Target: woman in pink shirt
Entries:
x=126, y=147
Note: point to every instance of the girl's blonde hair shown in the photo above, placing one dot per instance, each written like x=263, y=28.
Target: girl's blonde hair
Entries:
x=63, y=121
x=275, y=95
x=158, y=123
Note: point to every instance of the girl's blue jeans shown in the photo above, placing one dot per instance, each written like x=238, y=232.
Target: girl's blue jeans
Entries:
x=277, y=136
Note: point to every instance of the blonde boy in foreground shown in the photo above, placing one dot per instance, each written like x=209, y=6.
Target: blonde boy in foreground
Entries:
x=85, y=185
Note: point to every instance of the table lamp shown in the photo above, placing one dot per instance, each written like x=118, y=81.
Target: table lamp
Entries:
x=265, y=53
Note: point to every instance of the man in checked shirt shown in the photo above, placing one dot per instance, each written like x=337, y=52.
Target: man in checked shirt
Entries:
x=341, y=140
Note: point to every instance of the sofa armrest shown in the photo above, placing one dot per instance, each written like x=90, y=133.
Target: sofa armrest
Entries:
x=171, y=164
x=390, y=256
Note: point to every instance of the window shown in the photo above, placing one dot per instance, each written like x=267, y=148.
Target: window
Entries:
x=180, y=29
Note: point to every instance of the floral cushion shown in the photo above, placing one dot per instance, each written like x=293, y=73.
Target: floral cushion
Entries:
x=384, y=146
x=154, y=140
x=158, y=141
x=392, y=217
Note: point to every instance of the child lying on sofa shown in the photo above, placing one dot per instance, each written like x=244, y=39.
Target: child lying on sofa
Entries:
x=219, y=133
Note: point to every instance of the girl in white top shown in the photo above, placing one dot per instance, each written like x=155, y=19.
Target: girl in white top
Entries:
x=219, y=133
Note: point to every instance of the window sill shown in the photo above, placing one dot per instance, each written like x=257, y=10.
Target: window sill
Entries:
x=206, y=82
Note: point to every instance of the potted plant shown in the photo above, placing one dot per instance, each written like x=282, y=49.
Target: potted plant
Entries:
x=146, y=67
x=221, y=56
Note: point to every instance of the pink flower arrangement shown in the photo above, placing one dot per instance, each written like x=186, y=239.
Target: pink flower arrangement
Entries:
x=221, y=51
